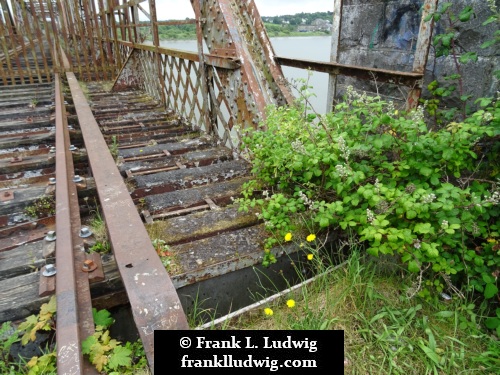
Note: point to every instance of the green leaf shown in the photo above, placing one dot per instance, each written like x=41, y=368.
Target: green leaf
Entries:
x=469, y=56
x=429, y=352
x=411, y=214
x=488, y=43
x=102, y=318
x=466, y=14
x=446, y=39
x=445, y=314
x=308, y=175
x=413, y=266
x=490, y=291
x=324, y=222
x=422, y=228
x=492, y=323
x=87, y=344
x=489, y=20
x=425, y=171
x=121, y=356
x=487, y=278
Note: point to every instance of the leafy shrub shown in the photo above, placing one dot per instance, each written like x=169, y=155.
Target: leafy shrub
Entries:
x=428, y=195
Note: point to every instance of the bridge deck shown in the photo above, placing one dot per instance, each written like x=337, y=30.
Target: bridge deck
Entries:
x=182, y=182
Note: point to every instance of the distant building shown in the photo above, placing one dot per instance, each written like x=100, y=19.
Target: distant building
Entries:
x=316, y=25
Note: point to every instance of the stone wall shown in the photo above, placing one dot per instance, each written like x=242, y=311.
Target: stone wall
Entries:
x=383, y=34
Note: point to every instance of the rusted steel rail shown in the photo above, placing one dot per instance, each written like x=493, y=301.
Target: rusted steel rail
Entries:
x=74, y=305
x=152, y=296
x=381, y=75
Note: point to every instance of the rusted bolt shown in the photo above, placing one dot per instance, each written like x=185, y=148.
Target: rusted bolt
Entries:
x=16, y=159
x=85, y=232
x=51, y=236
x=89, y=265
x=52, y=181
x=73, y=148
x=50, y=270
x=77, y=178
x=7, y=194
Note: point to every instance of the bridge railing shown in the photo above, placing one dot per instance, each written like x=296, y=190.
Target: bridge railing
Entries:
x=181, y=84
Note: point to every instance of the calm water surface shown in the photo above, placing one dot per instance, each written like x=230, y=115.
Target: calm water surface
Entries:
x=304, y=47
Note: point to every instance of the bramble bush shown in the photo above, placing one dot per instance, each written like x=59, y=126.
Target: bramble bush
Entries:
x=428, y=195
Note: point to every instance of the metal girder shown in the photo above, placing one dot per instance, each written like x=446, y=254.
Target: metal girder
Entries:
x=153, y=298
x=234, y=30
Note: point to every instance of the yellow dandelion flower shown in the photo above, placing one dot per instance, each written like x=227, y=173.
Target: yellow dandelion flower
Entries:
x=288, y=236
x=311, y=238
x=290, y=303
x=268, y=311
x=310, y=256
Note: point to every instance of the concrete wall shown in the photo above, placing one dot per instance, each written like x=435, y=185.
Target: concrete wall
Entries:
x=383, y=34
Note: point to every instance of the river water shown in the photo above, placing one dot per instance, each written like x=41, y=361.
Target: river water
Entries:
x=302, y=47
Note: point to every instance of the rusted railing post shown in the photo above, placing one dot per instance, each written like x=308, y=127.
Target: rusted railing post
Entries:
x=422, y=51
x=156, y=43
x=210, y=119
x=334, y=53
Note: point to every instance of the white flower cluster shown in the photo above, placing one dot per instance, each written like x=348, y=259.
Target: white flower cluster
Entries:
x=494, y=198
x=444, y=224
x=369, y=215
x=417, y=115
x=390, y=107
x=342, y=170
x=492, y=5
x=298, y=147
x=344, y=149
x=429, y=198
x=308, y=202
x=377, y=185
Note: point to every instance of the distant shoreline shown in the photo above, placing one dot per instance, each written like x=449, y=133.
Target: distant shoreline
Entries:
x=297, y=34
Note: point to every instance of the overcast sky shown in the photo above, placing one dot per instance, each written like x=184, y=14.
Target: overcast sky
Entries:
x=181, y=9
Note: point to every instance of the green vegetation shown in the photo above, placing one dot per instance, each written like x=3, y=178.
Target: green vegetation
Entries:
x=418, y=187
x=177, y=32
x=108, y=355
x=100, y=234
x=27, y=332
x=275, y=26
x=41, y=207
x=274, y=30
x=385, y=332
x=298, y=18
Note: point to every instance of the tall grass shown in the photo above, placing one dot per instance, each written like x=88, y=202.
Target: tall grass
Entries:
x=385, y=332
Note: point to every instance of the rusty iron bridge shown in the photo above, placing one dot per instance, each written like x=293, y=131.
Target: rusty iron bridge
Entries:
x=95, y=119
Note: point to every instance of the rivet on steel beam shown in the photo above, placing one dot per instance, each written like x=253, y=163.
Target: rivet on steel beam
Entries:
x=73, y=148
x=77, y=178
x=51, y=236
x=89, y=266
x=85, y=232
x=52, y=149
x=52, y=181
x=50, y=270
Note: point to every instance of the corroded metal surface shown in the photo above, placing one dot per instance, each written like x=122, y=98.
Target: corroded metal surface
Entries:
x=152, y=296
x=68, y=334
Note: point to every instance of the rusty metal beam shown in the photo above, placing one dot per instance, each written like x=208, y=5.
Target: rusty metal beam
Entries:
x=176, y=22
x=382, y=75
x=74, y=306
x=422, y=50
x=334, y=53
x=153, y=298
